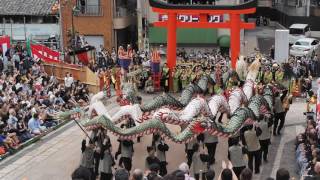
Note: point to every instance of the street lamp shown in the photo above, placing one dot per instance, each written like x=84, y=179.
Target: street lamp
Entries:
x=75, y=12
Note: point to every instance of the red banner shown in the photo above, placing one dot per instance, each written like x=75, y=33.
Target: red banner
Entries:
x=44, y=53
x=4, y=44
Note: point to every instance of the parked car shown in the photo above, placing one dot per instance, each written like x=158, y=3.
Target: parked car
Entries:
x=305, y=47
x=298, y=31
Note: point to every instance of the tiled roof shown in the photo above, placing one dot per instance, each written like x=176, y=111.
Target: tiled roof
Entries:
x=26, y=7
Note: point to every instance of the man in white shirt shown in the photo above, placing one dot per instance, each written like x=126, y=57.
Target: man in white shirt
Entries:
x=264, y=138
x=211, y=142
x=68, y=80
x=253, y=145
x=279, y=114
x=236, y=156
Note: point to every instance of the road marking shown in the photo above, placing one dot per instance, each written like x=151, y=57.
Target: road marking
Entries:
x=284, y=139
x=277, y=160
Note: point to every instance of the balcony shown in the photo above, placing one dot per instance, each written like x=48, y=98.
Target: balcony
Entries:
x=90, y=10
x=123, y=18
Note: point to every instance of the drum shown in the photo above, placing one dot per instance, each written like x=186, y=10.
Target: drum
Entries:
x=125, y=63
x=155, y=67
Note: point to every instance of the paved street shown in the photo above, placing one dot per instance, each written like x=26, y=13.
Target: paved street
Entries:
x=57, y=155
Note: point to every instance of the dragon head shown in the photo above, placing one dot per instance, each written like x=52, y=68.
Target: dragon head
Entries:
x=76, y=113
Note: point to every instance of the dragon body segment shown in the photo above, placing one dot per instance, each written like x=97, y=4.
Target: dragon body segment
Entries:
x=218, y=103
x=148, y=127
x=195, y=115
x=236, y=99
x=195, y=122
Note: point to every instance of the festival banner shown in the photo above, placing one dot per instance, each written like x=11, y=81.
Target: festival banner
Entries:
x=4, y=44
x=42, y=52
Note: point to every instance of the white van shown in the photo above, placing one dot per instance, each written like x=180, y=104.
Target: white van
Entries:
x=298, y=31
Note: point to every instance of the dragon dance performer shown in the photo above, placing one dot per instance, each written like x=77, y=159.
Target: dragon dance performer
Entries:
x=101, y=79
x=184, y=78
x=217, y=89
x=209, y=74
x=107, y=78
x=267, y=76
x=231, y=83
x=176, y=76
x=165, y=77
x=278, y=76
x=116, y=80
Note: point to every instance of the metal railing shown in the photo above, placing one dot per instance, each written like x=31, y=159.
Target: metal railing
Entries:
x=90, y=10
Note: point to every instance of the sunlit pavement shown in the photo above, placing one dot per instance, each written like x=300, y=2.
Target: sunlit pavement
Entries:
x=56, y=156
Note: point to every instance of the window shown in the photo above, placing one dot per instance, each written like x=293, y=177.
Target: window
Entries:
x=307, y=29
x=296, y=31
x=315, y=42
x=89, y=7
x=302, y=43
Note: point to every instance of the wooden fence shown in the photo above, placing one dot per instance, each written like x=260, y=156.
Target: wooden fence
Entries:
x=81, y=73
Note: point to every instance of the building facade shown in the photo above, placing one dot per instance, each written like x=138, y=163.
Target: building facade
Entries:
x=191, y=37
x=109, y=23
x=288, y=12
x=32, y=19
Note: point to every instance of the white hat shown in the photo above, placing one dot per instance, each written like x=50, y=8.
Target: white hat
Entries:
x=184, y=167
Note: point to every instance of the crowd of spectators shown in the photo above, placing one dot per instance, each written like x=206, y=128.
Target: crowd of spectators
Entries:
x=29, y=98
x=308, y=151
x=192, y=64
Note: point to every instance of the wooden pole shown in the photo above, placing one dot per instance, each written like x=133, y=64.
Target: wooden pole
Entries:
x=235, y=39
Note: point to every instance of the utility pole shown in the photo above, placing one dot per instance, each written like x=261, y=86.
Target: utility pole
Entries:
x=61, y=28
x=140, y=28
x=24, y=28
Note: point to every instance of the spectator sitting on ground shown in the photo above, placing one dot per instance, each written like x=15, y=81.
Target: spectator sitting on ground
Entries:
x=34, y=125
x=12, y=121
x=25, y=90
x=149, y=86
x=9, y=140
